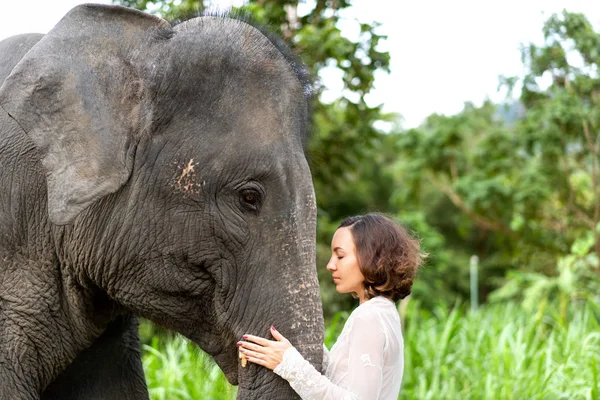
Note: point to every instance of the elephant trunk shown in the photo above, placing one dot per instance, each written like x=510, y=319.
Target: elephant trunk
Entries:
x=300, y=320
x=293, y=305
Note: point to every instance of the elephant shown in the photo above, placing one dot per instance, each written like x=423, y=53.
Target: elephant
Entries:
x=154, y=170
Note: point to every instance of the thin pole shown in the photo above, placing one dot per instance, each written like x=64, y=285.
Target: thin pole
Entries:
x=474, y=283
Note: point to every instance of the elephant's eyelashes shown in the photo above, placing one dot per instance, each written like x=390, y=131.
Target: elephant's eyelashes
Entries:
x=250, y=199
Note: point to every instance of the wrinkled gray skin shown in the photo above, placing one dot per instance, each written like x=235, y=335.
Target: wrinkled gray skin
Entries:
x=153, y=171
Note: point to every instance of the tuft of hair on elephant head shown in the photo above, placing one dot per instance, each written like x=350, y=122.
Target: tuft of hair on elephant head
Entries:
x=157, y=171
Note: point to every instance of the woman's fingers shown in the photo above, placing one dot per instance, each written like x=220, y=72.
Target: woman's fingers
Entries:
x=264, y=352
x=250, y=346
x=278, y=336
x=265, y=342
x=264, y=359
x=252, y=354
x=257, y=361
x=257, y=339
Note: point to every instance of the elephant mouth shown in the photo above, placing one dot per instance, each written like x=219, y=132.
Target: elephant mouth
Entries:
x=230, y=364
x=223, y=351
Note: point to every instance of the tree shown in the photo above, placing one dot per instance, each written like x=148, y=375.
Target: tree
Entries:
x=527, y=190
x=562, y=127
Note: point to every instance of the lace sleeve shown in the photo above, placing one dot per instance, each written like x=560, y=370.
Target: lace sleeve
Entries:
x=307, y=381
x=365, y=365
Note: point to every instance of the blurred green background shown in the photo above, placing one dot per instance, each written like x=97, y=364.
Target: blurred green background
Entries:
x=515, y=183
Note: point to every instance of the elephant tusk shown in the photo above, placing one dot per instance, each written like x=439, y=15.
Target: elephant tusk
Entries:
x=243, y=359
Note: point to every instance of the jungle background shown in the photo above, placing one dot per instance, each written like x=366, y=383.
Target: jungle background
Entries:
x=515, y=183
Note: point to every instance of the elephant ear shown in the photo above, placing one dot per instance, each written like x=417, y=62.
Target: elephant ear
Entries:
x=79, y=94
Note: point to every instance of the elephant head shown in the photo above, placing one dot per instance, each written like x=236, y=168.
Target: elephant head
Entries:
x=177, y=184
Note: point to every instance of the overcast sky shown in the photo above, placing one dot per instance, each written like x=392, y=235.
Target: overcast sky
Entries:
x=443, y=52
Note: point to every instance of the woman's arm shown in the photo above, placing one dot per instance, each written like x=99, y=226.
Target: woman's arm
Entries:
x=365, y=364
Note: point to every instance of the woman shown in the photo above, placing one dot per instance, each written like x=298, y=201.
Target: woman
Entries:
x=376, y=260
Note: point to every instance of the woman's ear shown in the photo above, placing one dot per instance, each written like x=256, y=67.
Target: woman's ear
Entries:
x=80, y=95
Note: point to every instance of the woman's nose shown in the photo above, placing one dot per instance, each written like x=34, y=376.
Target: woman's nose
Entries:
x=331, y=266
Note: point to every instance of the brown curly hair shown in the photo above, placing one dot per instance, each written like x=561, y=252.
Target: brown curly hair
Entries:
x=388, y=256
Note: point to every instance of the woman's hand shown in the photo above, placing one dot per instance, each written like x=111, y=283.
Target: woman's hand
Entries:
x=267, y=353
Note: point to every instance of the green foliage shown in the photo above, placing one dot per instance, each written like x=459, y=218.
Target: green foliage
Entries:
x=455, y=172
x=576, y=280
x=169, y=9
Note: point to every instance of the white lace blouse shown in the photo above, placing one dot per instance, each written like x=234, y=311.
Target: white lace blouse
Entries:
x=366, y=362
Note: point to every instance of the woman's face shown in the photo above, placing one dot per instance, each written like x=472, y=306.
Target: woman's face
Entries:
x=343, y=264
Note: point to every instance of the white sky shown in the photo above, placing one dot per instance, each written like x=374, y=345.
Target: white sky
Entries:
x=443, y=53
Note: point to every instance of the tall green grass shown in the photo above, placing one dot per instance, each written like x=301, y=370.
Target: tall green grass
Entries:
x=498, y=352
x=177, y=370
x=502, y=352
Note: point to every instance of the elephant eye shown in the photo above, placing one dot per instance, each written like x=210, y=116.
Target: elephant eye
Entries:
x=250, y=199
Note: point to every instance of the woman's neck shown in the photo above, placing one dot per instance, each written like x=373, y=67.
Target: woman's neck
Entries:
x=363, y=297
